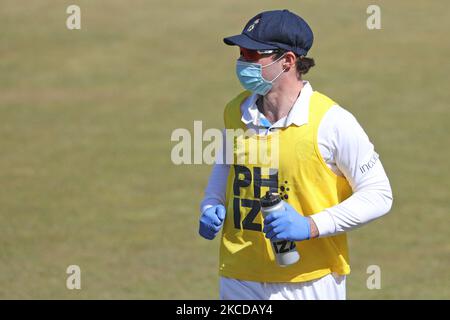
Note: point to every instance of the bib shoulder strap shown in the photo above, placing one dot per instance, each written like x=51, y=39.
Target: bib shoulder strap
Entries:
x=232, y=113
x=319, y=104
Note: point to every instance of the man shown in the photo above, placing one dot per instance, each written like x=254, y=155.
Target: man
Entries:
x=328, y=173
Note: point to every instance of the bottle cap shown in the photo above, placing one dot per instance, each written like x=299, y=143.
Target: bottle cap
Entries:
x=270, y=199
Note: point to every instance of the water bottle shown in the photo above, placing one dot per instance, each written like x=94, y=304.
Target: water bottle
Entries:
x=285, y=251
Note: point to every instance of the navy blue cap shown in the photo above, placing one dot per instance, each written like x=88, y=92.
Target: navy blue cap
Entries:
x=277, y=29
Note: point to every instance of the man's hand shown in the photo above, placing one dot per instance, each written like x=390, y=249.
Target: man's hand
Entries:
x=288, y=225
x=211, y=221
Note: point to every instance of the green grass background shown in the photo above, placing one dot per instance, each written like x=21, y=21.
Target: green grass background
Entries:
x=86, y=118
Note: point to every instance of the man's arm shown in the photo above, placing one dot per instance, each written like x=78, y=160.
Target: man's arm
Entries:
x=215, y=191
x=217, y=183
x=355, y=157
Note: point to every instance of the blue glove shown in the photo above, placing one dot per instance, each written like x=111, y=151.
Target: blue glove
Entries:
x=211, y=221
x=286, y=224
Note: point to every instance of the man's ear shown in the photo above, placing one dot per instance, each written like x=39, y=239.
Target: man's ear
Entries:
x=290, y=59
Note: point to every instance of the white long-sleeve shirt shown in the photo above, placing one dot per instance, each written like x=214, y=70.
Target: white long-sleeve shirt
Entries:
x=347, y=151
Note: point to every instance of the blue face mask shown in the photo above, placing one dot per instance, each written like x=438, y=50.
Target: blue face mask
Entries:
x=250, y=76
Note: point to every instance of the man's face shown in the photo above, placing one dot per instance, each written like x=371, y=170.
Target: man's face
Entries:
x=263, y=57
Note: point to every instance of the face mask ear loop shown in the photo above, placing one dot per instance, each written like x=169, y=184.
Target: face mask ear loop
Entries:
x=272, y=81
x=267, y=65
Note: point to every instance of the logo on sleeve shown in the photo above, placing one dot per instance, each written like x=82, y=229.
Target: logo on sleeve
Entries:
x=369, y=165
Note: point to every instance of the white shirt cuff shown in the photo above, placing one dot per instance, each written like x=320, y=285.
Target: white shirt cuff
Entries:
x=325, y=223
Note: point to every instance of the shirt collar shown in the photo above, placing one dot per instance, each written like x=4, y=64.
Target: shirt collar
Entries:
x=249, y=110
x=298, y=114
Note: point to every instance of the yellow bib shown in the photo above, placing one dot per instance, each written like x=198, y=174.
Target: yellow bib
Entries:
x=304, y=181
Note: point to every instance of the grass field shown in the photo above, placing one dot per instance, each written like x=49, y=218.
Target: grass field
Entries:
x=86, y=118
